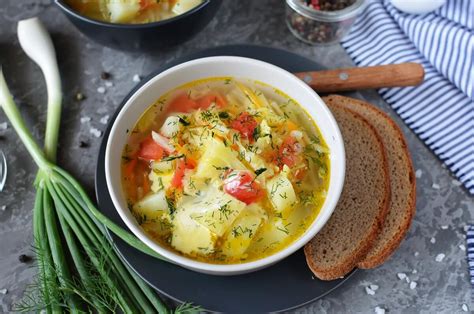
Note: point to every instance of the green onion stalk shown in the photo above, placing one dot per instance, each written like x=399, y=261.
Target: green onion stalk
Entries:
x=78, y=270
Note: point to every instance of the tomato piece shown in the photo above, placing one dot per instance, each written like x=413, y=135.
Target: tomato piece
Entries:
x=242, y=186
x=181, y=166
x=177, y=180
x=182, y=103
x=245, y=124
x=206, y=101
x=290, y=152
x=150, y=150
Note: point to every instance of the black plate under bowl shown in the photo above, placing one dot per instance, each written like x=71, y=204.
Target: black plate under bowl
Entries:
x=286, y=285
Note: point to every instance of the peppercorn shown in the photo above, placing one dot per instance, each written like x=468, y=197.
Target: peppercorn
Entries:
x=105, y=75
x=24, y=258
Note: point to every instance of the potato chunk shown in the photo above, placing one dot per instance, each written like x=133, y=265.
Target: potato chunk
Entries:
x=171, y=126
x=281, y=193
x=152, y=206
x=199, y=221
x=216, y=158
x=122, y=11
x=160, y=182
x=243, y=230
x=275, y=232
x=217, y=211
x=182, y=6
x=190, y=236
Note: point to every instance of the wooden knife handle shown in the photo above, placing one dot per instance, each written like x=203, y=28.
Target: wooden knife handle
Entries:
x=392, y=75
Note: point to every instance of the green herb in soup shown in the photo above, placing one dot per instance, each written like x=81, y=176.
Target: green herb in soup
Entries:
x=225, y=170
x=132, y=11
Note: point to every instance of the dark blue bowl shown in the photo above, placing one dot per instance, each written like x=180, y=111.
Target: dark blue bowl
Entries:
x=149, y=36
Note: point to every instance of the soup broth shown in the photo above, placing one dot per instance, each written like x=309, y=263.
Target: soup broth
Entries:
x=225, y=170
x=132, y=11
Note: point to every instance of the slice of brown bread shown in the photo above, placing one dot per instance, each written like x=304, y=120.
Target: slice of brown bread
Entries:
x=356, y=222
x=402, y=180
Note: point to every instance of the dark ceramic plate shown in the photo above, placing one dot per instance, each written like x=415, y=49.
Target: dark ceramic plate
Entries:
x=286, y=285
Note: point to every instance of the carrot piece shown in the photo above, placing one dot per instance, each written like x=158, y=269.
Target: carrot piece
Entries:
x=130, y=178
x=190, y=163
x=145, y=4
x=177, y=180
x=129, y=168
x=290, y=126
x=146, y=184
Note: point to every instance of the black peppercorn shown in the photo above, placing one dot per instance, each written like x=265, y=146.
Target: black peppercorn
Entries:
x=105, y=75
x=83, y=144
x=24, y=258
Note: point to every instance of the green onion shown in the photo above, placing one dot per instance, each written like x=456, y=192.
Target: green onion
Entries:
x=78, y=269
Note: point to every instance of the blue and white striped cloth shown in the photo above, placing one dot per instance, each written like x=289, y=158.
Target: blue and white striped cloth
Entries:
x=470, y=252
x=441, y=110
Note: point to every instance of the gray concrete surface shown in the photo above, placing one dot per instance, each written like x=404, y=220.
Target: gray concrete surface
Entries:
x=442, y=287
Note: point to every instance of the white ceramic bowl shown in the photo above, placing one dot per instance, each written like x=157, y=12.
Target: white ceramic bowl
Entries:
x=218, y=67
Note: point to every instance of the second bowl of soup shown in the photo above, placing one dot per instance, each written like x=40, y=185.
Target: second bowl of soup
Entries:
x=225, y=165
x=139, y=25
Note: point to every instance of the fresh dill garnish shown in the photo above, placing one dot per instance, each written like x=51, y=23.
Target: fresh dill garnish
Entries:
x=183, y=121
x=306, y=198
x=188, y=308
x=224, y=115
x=285, y=228
x=258, y=172
x=207, y=115
x=191, y=184
x=225, y=210
x=221, y=168
x=235, y=138
x=275, y=187
x=256, y=133
x=283, y=196
x=237, y=231
x=141, y=218
x=170, y=158
x=171, y=205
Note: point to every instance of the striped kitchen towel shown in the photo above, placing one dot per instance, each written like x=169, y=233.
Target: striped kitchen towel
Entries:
x=441, y=110
x=470, y=252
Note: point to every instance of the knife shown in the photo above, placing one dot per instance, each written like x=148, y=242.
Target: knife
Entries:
x=338, y=80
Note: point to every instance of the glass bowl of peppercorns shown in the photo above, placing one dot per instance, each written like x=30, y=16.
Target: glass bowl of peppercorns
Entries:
x=322, y=21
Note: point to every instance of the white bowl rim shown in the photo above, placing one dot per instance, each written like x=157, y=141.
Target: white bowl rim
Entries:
x=230, y=269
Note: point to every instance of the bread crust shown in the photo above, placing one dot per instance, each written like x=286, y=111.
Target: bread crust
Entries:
x=350, y=262
x=375, y=257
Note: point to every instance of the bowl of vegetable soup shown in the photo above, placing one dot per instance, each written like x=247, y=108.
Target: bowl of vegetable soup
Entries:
x=137, y=25
x=225, y=165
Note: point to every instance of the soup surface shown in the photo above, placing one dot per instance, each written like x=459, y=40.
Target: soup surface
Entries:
x=132, y=11
x=225, y=170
